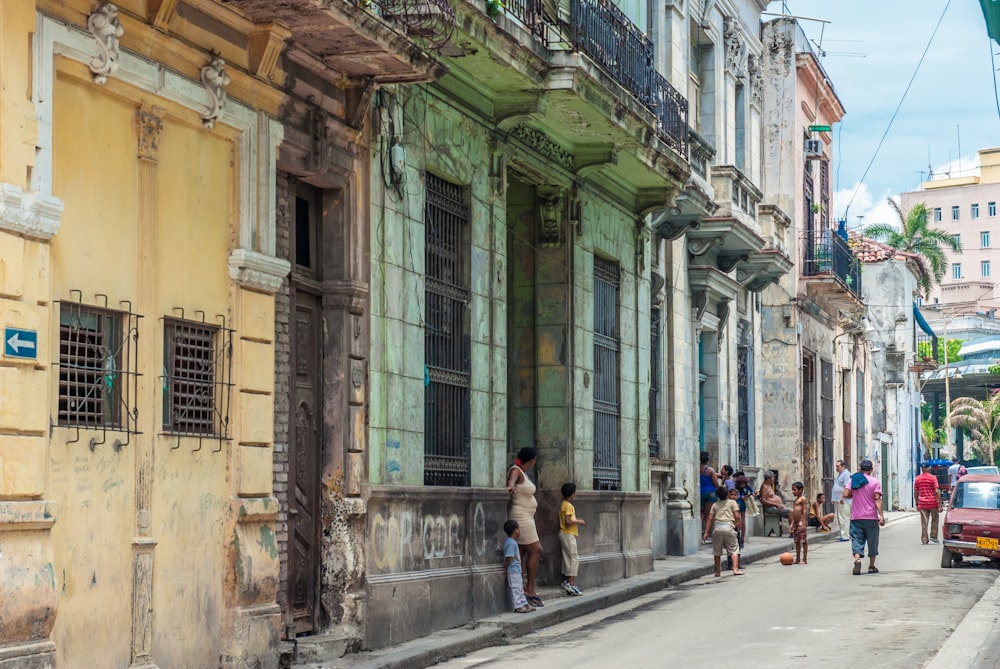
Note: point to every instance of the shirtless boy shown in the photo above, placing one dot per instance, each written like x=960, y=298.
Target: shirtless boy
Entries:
x=797, y=524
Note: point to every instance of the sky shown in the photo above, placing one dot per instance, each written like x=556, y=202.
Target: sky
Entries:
x=871, y=51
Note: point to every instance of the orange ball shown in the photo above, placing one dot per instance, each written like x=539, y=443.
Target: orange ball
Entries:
x=787, y=559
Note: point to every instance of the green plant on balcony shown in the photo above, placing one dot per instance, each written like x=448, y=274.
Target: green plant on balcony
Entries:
x=493, y=8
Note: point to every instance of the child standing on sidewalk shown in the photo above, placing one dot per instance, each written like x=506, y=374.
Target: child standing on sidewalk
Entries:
x=569, y=526
x=512, y=565
x=723, y=519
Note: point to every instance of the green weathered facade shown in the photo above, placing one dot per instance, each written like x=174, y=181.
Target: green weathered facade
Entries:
x=557, y=164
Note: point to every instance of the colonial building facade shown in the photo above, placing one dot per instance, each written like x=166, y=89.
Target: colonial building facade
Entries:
x=815, y=387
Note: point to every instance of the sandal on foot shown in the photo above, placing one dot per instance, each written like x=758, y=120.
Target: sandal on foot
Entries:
x=534, y=600
x=872, y=570
x=857, y=568
x=523, y=609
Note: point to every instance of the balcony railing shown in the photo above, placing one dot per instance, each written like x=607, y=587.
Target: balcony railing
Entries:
x=529, y=14
x=610, y=39
x=432, y=21
x=826, y=254
x=700, y=154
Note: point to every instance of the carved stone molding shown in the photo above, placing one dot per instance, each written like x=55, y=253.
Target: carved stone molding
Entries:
x=257, y=271
x=540, y=143
x=345, y=295
x=215, y=79
x=104, y=25
x=149, y=125
x=779, y=47
x=736, y=48
x=755, y=75
x=29, y=214
x=697, y=247
x=550, y=215
x=322, y=144
x=727, y=263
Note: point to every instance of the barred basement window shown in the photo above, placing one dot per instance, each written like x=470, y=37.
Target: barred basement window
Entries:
x=447, y=412
x=97, y=363
x=197, y=378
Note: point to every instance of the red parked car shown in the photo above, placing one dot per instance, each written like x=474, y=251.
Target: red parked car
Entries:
x=971, y=526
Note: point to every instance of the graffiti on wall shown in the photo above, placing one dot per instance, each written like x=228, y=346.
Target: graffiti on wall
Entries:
x=408, y=539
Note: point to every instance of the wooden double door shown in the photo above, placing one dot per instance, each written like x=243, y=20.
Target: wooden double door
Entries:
x=305, y=460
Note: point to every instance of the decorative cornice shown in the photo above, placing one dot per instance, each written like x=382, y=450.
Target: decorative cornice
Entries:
x=29, y=214
x=540, y=142
x=257, y=271
x=104, y=25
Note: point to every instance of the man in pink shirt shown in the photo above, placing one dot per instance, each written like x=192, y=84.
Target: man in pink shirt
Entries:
x=867, y=518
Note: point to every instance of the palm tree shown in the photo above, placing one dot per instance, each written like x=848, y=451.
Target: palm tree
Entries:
x=982, y=419
x=915, y=236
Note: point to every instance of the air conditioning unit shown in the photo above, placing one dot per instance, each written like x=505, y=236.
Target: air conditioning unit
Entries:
x=814, y=149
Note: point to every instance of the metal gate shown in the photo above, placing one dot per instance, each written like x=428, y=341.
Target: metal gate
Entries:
x=447, y=427
x=607, y=410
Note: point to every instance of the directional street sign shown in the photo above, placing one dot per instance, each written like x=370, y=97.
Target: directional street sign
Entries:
x=20, y=343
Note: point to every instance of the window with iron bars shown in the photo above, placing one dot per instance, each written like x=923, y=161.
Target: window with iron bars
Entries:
x=447, y=420
x=860, y=420
x=743, y=368
x=97, y=368
x=196, y=384
x=607, y=345
x=654, y=382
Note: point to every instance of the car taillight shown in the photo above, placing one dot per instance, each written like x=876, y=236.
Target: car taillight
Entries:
x=954, y=528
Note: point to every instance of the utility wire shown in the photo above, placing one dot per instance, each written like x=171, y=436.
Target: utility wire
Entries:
x=888, y=127
x=993, y=63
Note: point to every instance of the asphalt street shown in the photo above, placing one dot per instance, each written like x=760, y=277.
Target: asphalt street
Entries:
x=814, y=615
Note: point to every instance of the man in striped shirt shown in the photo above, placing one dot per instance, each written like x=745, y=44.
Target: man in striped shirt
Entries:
x=925, y=489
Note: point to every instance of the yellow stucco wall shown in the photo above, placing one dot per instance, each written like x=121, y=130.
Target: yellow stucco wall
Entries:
x=98, y=250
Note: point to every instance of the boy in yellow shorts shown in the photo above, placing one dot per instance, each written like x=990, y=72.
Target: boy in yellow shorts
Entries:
x=569, y=526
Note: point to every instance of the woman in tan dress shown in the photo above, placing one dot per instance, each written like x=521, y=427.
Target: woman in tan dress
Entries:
x=522, y=509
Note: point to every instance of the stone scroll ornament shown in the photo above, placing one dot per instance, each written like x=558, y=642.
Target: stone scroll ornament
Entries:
x=104, y=25
x=215, y=79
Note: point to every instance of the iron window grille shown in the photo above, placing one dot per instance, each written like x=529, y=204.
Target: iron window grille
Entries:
x=607, y=347
x=655, y=376
x=98, y=358
x=197, y=379
x=447, y=420
x=859, y=393
x=743, y=368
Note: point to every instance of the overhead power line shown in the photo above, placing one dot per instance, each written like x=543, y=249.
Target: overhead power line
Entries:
x=898, y=107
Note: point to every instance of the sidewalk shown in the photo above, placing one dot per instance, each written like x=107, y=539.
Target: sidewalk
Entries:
x=560, y=607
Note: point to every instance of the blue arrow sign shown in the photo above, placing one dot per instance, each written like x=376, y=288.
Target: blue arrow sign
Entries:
x=20, y=343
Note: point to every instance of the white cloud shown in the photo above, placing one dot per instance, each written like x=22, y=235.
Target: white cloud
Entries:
x=865, y=209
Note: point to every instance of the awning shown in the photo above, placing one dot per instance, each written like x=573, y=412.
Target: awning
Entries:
x=991, y=12
x=919, y=317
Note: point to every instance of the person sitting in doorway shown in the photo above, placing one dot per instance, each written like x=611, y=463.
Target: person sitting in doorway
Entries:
x=818, y=519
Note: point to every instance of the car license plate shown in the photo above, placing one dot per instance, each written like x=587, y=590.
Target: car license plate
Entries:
x=986, y=543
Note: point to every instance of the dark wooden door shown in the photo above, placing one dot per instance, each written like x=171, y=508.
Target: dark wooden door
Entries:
x=304, y=462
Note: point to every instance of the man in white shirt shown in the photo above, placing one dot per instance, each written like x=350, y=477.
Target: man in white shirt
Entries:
x=841, y=506
x=953, y=471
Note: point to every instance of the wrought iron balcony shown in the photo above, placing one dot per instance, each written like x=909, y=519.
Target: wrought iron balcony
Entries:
x=605, y=34
x=430, y=21
x=827, y=255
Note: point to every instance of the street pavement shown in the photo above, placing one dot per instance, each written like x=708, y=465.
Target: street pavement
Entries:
x=775, y=616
